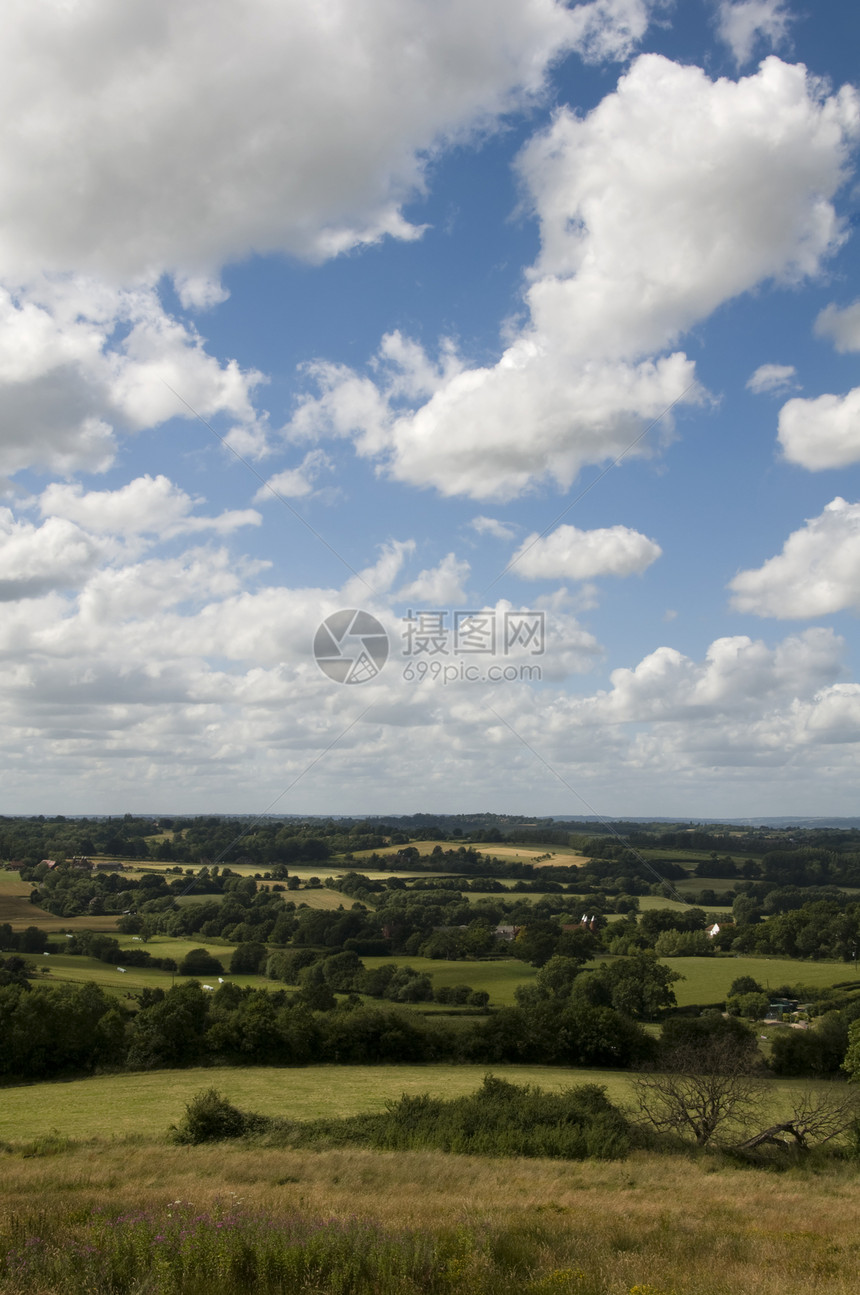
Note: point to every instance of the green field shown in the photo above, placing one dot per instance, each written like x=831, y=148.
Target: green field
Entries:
x=499, y=978
x=707, y=980
x=648, y=903
x=145, y=1104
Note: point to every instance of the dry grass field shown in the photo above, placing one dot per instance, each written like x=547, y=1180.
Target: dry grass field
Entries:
x=647, y=1225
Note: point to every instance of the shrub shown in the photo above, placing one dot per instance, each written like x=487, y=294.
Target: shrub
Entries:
x=501, y=1119
x=209, y=1117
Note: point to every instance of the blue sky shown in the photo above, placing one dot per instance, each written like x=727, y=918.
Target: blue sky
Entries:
x=507, y=308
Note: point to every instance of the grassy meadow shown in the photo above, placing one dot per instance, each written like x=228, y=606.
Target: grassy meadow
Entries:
x=138, y=1215
x=144, y=1104
x=499, y=978
x=707, y=980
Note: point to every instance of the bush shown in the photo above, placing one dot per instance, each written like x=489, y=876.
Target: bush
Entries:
x=501, y=1119
x=209, y=1117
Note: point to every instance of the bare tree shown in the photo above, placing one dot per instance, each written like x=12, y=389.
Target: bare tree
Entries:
x=707, y=1090
x=820, y=1113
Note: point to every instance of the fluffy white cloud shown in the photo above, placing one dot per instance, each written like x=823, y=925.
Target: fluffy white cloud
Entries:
x=817, y=572
x=183, y=139
x=130, y=594
x=678, y=193
x=187, y=672
x=569, y=553
x=439, y=586
x=743, y=23
x=34, y=560
x=841, y=326
x=736, y=727
x=609, y=30
x=492, y=526
x=736, y=672
x=824, y=432
x=145, y=505
x=79, y=360
x=772, y=377
x=296, y=483
x=672, y=196
x=821, y=433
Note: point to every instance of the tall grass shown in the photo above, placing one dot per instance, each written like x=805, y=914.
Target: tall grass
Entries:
x=413, y=1222
x=230, y=1250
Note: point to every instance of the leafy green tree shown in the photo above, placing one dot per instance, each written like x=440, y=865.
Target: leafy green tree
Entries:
x=200, y=962
x=638, y=986
x=683, y=944
x=536, y=942
x=851, y=1064
x=553, y=982
x=745, y=911
x=247, y=959
x=315, y=991
x=753, y=1006
x=170, y=1032
x=342, y=970
x=744, y=985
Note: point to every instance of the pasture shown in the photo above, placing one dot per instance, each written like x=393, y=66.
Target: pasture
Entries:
x=143, y=1105
x=499, y=977
x=707, y=980
x=146, y=1104
x=649, y=902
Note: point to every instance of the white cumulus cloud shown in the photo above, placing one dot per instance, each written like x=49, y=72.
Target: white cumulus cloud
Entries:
x=35, y=560
x=69, y=380
x=145, y=505
x=181, y=138
x=817, y=572
x=146, y=139
x=842, y=326
x=439, y=586
x=675, y=194
x=743, y=24
x=823, y=432
x=772, y=377
x=295, y=483
x=569, y=553
x=492, y=526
